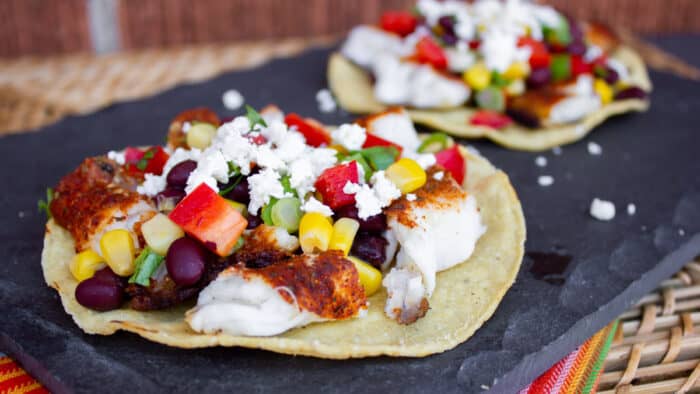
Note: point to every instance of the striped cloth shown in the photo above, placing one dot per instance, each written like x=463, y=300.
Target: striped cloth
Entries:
x=576, y=373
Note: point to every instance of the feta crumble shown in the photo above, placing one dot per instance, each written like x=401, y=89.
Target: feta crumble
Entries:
x=262, y=186
x=681, y=232
x=370, y=200
x=594, y=149
x=424, y=160
x=545, y=180
x=313, y=205
x=186, y=127
x=233, y=99
x=351, y=136
x=602, y=210
x=411, y=197
x=326, y=102
x=438, y=175
x=631, y=209
x=541, y=161
x=117, y=156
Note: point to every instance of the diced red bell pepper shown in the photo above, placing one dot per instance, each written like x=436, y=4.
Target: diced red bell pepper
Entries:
x=256, y=138
x=474, y=44
x=141, y=162
x=402, y=23
x=491, y=119
x=312, y=131
x=429, y=52
x=540, y=56
x=373, y=140
x=453, y=162
x=206, y=216
x=579, y=66
x=332, y=181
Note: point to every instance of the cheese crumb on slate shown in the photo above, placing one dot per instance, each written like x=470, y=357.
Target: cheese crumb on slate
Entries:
x=545, y=180
x=681, y=232
x=411, y=197
x=631, y=209
x=325, y=101
x=438, y=175
x=541, y=161
x=233, y=99
x=594, y=149
x=602, y=210
x=556, y=150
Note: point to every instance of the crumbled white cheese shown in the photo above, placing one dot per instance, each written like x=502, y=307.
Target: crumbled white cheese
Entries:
x=593, y=52
x=681, y=232
x=557, y=150
x=117, y=156
x=594, y=149
x=152, y=185
x=438, y=175
x=602, y=210
x=351, y=136
x=186, y=127
x=411, y=197
x=631, y=209
x=233, y=99
x=325, y=101
x=541, y=161
x=262, y=186
x=370, y=200
x=545, y=180
x=313, y=205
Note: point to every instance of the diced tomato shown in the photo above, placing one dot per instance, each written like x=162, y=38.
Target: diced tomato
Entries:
x=373, y=140
x=428, y=51
x=332, y=181
x=453, y=162
x=402, y=23
x=474, y=44
x=150, y=161
x=311, y=130
x=206, y=216
x=540, y=56
x=491, y=119
x=579, y=66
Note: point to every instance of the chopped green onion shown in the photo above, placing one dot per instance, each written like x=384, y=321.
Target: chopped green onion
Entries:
x=357, y=157
x=286, y=213
x=43, y=205
x=286, y=185
x=254, y=117
x=231, y=186
x=498, y=80
x=143, y=162
x=560, y=67
x=434, y=143
x=145, y=265
x=266, y=213
x=380, y=157
x=558, y=35
x=491, y=98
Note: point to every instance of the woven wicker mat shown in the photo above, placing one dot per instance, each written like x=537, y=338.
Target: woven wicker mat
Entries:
x=656, y=347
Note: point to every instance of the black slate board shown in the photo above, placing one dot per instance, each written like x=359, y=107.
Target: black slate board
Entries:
x=649, y=159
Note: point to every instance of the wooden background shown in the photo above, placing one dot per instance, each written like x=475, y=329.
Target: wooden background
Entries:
x=63, y=26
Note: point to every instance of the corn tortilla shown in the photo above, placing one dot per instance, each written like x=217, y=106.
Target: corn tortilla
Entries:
x=353, y=90
x=465, y=297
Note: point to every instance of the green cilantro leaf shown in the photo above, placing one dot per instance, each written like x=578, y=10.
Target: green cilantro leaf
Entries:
x=254, y=117
x=43, y=205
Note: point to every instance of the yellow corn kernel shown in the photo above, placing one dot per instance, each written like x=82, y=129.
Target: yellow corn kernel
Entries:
x=159, y=232
x=517, y=70
x=200, y=135
x=315, y=232
x=118, y=250
x=344, y=231
x=241, y=208
x=603, y=90
x=370, y=277
x=515, y=88
x=406, y=174
x=477, y=77
x=84, y=265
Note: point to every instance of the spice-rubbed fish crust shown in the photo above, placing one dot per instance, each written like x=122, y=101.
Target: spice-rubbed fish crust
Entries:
x=87, y=197
x=327, y=284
